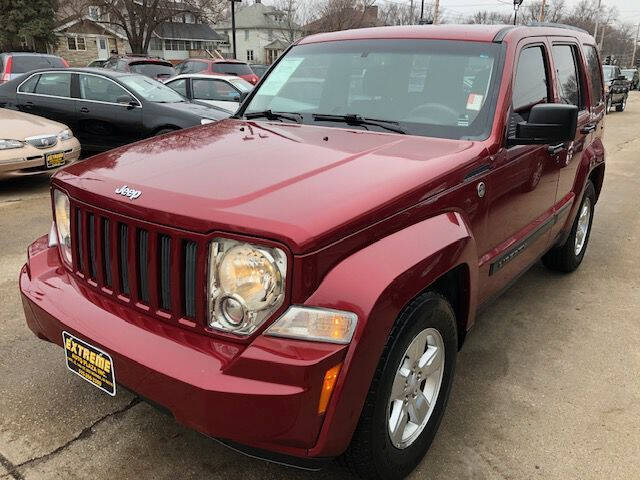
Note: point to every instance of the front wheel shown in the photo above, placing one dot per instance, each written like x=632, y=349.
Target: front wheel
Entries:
x=568, y=256
x=408, y=394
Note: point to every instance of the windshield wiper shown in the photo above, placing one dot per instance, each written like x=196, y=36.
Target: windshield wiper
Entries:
x=271, y=115
x=356, y=119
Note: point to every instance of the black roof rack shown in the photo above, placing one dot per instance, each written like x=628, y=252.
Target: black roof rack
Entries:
x=556, y=25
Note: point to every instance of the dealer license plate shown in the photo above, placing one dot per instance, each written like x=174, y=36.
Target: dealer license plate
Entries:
x=90, y=363
x=54, y=160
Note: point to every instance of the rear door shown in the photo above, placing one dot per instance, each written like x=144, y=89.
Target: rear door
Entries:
x=521, y=186
x=571, y=88
x=105, y=120
x=48, y=95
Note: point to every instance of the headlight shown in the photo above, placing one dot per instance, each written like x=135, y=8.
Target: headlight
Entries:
x=62, y=214
x=206, y=121
x=246, y=285
x=319, y=324
x=8, y=144
x=65, y=135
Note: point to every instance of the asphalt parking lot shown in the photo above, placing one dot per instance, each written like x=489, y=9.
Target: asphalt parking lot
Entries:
x=546, y=384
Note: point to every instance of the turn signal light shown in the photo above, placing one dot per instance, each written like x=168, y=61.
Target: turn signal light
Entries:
x=327, y=387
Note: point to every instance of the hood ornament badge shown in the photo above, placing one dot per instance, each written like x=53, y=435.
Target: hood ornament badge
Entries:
x=130, y=193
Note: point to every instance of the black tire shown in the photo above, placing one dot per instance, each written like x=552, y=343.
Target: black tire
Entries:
x=607, y=107
x=620, y=107
x=163, y=131
x=371, y=454
x=563, y=258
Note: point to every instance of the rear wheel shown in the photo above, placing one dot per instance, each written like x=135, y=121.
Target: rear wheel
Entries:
x=408, y=394
x=608, y=105
x=162, y=131
x=621, y=106
x=568, y=257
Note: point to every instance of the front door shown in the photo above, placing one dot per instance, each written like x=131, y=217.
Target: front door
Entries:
x=103, y=48
x=521, y=186
x=219, y=93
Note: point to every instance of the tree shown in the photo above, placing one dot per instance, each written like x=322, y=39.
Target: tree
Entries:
x=490, y=18
x=27, y=24
x=293, y=17
x=334, y=15
x=138, y=19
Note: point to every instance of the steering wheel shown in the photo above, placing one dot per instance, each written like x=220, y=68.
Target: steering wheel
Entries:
x=435, y=113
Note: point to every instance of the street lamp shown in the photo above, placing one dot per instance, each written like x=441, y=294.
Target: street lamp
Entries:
x=516, y=6
x=233, y=27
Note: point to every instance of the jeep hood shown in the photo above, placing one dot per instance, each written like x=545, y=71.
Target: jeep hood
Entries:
x=305, y=186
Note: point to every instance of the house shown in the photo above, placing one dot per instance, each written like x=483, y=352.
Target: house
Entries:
x=180, y=40
x=82, y=40
x=263, y=32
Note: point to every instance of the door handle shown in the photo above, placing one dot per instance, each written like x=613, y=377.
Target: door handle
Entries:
x=84, y=110
x=554, y=149
x=588, y=128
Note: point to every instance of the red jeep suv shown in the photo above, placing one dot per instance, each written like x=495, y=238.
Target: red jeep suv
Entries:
x=297, y=280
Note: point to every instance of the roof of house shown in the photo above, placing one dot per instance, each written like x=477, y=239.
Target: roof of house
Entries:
x=80, y=19
x=187, y=31
x=276, y=45
x=257, y=15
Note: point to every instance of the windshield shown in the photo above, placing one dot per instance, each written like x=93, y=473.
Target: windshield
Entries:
x=428, y=87
x=153, y=70
x=151, y=90
x=241, y=84
x=609, y=72
x=26, y=63
x=232, y=68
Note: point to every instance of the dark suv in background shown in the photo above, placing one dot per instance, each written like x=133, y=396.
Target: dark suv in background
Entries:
x=12, y=65
x=155, y=68
x=616, y=87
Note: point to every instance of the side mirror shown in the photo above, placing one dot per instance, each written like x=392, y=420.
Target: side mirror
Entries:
x=243, y=96
x=548, y=123
x=236, y=98
x=127, y=101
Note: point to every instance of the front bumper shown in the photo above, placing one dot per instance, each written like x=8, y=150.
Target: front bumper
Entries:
x=263, y=395
x=29, y=160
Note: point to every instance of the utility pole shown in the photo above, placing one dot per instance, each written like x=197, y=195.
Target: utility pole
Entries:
x=602, y=37
x=542, y=5
x=595, y=30
x=233, y=27
x=516, y=6
x=436, y=8
x=422, y=13
x=635, y=46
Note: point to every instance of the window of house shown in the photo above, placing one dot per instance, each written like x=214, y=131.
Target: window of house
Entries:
x=567, y=75
x=100, y=89
x=246, y=34
x=94, y=12
x=249, y=55
x=156, y=44
x=76, y=43
x=531, y=84
x=595, y=74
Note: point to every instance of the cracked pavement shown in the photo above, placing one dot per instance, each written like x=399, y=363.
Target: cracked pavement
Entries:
x=545, y=385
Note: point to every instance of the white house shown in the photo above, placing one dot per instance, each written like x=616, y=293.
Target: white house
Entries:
x=262, y=33
x=180, y=40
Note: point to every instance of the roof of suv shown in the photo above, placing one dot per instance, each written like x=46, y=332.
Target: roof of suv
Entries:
x=214, y=60
x=477, y=33
x=143, y=59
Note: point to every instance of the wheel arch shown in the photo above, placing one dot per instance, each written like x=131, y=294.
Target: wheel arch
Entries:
x=597, y=178
x=156, y=130
x=436, y=254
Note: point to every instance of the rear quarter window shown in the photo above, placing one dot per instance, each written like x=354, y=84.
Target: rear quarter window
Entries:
x=232, y=68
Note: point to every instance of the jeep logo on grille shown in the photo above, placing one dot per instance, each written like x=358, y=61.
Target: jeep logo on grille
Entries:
x=128, y=192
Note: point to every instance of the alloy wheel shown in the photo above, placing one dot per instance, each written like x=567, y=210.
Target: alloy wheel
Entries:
x=415, y=388
x=582, y=228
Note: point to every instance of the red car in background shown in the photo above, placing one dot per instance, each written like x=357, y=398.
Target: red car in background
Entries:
x=222, y=66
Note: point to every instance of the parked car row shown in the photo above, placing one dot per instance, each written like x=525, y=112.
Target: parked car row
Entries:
x=104, y=108
x=617, y=86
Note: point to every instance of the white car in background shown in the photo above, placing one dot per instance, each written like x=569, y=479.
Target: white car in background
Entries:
x=223, y=91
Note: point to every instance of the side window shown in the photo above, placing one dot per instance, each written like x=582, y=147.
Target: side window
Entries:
x=197, y=67
x=531, y=85
x=595, y=74
x=54, y=84
x=30, y=85
x=179, y=86
x=182, y=68
x=213, y=90
x=100, y=89
x=568, y=75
